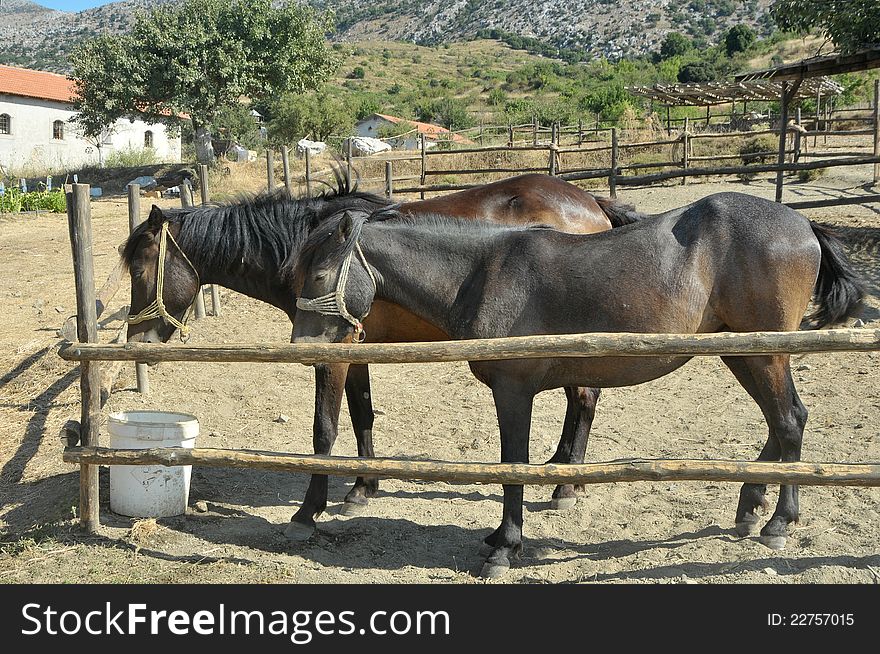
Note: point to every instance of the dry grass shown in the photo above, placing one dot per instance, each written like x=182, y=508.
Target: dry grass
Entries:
x=146, y=533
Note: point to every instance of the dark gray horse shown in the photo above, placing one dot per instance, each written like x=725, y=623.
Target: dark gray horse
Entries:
x=729, y=262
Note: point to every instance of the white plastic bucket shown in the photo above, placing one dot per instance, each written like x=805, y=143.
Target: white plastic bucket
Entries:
x=150, y=491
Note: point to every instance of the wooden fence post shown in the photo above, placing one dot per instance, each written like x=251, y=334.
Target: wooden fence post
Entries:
x=186, y=195
x=285, y=165
x=876, y=128
x=580, y=131
x=553, y=149
x=787, y=93
x=134, y=219
x=79, y=220
x=685, y=142
x=348, y=162
x=509, y=134
x=424, y=165
x=270, y=169
x=203, y=183
x=612, y=177
x=389, y=181
x=308, y=155
x=797, y=138
x=534, y=130
x=199, y=301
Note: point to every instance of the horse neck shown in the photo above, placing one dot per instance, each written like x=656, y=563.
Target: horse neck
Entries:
x=256, y=279
x=421, y=271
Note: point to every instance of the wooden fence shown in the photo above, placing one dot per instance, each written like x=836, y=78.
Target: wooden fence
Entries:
x=89, y=353
x=682, y=163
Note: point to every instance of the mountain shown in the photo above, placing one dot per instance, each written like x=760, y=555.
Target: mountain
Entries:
x=36, y=37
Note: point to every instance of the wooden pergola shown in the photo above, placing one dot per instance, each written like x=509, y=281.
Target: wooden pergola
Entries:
x=709, y=94
x=792, y=78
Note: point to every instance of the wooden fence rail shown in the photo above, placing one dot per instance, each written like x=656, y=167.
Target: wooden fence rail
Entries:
x=681, y=164
x=492, y=349
x=625, y=470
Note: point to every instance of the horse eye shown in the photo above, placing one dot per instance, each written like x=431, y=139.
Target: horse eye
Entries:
x=320, y=277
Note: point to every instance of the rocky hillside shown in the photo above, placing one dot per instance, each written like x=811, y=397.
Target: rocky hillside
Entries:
x=33, y=36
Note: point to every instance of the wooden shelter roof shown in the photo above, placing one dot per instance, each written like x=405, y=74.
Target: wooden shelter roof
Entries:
x=805, y=69
x=711, y=93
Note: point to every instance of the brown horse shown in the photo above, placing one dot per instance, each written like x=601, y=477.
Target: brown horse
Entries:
x=728, y=262
x=244, y=246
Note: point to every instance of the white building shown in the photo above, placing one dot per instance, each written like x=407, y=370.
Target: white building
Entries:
x=372, y=126
x=37, y=135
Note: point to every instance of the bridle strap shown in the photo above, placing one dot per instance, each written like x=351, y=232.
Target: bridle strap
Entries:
x=156, y=309
x=333, y=304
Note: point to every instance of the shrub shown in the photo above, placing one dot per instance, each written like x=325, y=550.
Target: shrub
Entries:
x=10, y=201
x=811, y=175
x=53, y=201
x=131, y=157
x=14, y=201
x=750, y=153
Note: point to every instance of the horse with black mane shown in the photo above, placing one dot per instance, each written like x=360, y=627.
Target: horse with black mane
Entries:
x=728, y=262
x=250, y=246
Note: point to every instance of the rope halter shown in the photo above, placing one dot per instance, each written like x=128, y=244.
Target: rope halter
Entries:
x=333, y=304
x=156, y=309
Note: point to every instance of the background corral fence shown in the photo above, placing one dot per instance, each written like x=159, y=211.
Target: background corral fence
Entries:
x=90, y=353
x=618, y=154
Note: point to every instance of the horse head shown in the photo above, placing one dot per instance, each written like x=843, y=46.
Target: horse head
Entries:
x=334, y=283
x=164, y=282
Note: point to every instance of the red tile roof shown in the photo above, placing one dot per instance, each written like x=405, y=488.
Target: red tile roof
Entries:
x=427, y=129
x=43, y=85
x=36, y=84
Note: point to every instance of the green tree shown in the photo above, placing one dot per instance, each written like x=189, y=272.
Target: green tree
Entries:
x=447, y=111
x=850, y=24
x=738, y=39
x=315, y=115
x=674, y=44
x=698, y=71
x=195, y=58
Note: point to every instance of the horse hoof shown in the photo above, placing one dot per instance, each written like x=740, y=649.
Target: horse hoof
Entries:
x=298, y=532
x=495, y=569
x=746, y=528
x=353, y=509
x=773, y=542
x=563, y=503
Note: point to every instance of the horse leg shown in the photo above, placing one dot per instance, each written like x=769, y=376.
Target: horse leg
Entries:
x=514, y=409
x=573, y=443
x=329, y=384
x=786, y=416
x=360, y=407
x=752, y=496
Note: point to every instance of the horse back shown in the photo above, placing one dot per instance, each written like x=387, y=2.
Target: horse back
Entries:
x=531, y=199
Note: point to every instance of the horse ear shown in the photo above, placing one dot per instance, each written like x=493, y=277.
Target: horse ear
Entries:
x=156, y=217
x=345, y=227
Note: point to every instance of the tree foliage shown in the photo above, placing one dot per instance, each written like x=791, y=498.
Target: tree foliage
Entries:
x=850, y=24
x=315, y=115
x=738, y=39
x=674, y=44
x=199, y=56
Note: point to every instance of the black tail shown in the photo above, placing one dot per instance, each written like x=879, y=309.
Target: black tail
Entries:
x=839, y=290
x=618, y=213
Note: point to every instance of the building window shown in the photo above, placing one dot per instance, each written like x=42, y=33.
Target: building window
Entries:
x=148, y=139
x=58, y=130
x=5, y=124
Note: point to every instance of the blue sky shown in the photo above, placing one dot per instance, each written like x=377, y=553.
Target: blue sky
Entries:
x=71, y=5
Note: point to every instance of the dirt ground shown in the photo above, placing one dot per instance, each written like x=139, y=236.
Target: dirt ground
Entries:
x=414, y=531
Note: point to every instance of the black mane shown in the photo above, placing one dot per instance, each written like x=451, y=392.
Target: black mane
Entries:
x=269, y=228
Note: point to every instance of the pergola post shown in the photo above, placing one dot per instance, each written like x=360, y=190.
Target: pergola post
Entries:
x=789, y=89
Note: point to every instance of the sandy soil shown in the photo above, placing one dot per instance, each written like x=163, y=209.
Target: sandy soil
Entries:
x=421, y=532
